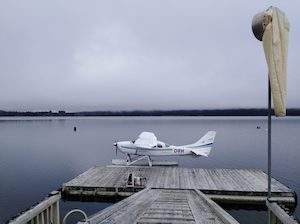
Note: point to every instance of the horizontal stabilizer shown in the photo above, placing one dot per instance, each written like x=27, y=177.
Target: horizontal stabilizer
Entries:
x=202, y=152
x=203, y=146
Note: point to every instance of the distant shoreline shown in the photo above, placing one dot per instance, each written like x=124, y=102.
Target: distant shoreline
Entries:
x=211, y=112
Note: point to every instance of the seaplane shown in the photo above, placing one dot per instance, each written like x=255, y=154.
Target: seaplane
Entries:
x=147, y=146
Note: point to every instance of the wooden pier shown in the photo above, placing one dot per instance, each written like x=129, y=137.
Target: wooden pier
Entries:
x=164, y=206
x=244, y=186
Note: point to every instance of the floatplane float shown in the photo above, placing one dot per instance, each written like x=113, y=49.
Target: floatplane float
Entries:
x=147, y=146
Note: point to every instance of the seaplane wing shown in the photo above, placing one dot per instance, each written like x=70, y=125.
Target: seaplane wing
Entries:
x=146, y=140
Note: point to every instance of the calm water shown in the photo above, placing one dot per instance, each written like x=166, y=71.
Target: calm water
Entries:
x=38, y=155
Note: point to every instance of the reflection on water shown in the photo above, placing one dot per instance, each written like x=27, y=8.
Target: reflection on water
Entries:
x=38, y=155
x=249, y=216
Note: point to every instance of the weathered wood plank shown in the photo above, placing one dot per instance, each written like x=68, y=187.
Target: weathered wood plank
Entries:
x=221, y=213
x=133, y=204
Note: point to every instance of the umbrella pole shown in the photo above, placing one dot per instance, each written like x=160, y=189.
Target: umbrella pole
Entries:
x=269, y=139
x=269, y=147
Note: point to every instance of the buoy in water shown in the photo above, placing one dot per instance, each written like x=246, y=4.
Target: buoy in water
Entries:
x=74, y=128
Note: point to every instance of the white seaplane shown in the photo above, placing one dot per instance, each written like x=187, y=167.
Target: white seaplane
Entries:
x=147, y=145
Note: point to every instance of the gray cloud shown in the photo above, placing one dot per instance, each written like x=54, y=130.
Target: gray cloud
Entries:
x=79, y=55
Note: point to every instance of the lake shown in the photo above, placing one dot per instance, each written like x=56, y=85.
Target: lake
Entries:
x=38, y=155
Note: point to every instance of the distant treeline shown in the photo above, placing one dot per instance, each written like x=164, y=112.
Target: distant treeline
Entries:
x=223, y=112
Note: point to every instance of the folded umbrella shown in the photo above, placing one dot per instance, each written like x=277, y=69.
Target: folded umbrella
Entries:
x=275, y=42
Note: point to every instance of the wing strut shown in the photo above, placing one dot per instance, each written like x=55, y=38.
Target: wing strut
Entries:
x=149, y=161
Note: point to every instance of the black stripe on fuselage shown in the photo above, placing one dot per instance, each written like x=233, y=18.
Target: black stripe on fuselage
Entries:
x=154, y=149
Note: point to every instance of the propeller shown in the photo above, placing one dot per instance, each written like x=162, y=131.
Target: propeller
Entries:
x=116, y=147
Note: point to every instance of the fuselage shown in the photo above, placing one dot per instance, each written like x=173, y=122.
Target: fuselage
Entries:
x=161, y=149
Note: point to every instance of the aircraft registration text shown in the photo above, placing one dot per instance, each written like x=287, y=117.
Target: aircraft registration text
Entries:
x=178, y=150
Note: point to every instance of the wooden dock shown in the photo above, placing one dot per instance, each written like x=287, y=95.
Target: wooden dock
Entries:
x=175, y=194
x=244, y=186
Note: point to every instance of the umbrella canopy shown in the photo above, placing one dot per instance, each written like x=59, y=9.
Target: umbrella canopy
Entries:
x=275, y=42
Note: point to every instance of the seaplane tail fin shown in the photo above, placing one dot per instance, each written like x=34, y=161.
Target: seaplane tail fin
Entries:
x=203, y=146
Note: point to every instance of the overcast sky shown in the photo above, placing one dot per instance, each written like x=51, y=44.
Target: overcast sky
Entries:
x=125, y=55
